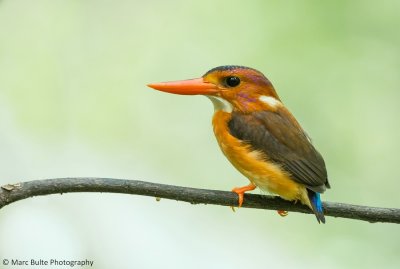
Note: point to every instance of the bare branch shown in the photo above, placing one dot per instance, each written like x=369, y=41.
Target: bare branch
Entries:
x=14, y=192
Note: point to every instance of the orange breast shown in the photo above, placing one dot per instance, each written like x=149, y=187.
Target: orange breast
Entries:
x=255, y=165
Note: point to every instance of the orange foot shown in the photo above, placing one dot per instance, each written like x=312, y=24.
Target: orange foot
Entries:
x=282, y=213
x=241, y=190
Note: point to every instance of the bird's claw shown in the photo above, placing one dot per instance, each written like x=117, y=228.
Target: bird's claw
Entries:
x=282, y=213
x=240, y=196
x=240, y=192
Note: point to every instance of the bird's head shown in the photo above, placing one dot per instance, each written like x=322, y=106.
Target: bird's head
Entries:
x=229, y=87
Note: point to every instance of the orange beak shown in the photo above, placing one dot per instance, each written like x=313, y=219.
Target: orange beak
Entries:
x=186, y=87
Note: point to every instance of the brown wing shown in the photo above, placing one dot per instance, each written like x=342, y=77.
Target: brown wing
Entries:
x=284, y=142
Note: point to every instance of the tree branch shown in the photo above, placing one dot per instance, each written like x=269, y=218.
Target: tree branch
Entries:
x=14, y=192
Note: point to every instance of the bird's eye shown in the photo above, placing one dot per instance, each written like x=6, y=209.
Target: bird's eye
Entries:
x=232, y=81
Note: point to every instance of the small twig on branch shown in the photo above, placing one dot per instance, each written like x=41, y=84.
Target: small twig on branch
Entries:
x=14, y=192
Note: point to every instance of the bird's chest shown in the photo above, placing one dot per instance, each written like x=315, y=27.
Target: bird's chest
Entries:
x=228, y=144
x=249, y=162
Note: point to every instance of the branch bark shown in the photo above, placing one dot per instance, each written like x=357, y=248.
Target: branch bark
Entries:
x=11, y=193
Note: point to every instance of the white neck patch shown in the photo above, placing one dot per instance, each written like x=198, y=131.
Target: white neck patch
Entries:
x=269, y=100
x=220, y=104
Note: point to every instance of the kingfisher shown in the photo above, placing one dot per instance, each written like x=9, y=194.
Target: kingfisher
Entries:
x=259, y=136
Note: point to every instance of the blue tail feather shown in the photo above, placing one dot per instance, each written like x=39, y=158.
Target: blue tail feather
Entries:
x=316, y=204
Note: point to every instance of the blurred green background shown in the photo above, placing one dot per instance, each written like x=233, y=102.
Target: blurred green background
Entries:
x=73, y=102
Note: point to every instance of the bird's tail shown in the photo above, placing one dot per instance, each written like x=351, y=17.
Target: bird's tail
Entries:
x=316, y=205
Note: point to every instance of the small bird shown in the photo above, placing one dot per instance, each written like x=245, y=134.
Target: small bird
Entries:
x=258, y=135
